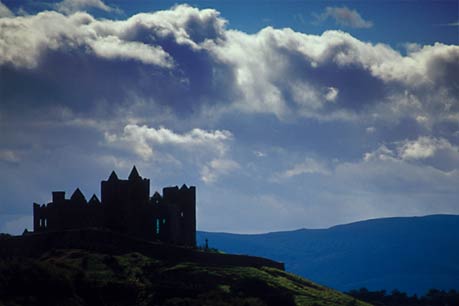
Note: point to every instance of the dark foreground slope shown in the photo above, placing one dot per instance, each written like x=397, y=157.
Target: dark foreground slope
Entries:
x=409, y=254
x=71, y=277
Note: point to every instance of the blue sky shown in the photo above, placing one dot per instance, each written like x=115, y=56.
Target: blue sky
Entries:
x=284, y=114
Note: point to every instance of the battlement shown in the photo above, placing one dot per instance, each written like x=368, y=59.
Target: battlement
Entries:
x=125, y=207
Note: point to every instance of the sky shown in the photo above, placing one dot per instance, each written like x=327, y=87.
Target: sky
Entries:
x=283, y=114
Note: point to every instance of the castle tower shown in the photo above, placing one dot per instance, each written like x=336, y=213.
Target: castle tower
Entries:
x=124, y=201
x=187, y=207
x=181, y=206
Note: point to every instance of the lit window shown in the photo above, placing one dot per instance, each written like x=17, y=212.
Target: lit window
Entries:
x=157, y=226
x=181, y=214
x=164, y=221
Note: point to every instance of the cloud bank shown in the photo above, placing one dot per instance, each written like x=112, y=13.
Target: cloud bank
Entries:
x=283, y=125
x=275, y=71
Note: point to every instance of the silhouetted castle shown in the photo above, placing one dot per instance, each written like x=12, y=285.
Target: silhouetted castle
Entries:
x=126, y=207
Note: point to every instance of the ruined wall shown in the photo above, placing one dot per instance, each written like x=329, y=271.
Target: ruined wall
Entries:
x=126, y=207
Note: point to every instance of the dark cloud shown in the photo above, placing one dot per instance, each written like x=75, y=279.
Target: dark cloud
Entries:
x=185, y=59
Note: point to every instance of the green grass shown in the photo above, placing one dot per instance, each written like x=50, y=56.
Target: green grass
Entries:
x=83, y=278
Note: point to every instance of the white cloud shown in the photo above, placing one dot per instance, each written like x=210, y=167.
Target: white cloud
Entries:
x=72, y=6
x=425, y=147
x=5, y=11
x=308, y=166
x=370, y=130
x=274, y=71
x=283, y=72
x=331, y=94
x=27, y=39
x=182, y=68
x=112, y=47
x=382, y=153
x=216, y=168
x=9, y=156
x=345, y=17
x=259, y=154
x=196, y=148
x=426, y=151
x=143, y=139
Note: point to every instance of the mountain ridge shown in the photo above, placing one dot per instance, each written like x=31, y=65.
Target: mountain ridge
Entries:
x=403, y=253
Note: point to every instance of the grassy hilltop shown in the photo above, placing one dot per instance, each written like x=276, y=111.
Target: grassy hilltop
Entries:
x=74, y=277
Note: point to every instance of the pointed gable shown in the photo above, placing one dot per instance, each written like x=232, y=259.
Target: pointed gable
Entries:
x=156, y=198
x=94, y=200
x=113, y=176
x=78, y=197
x=134, y=174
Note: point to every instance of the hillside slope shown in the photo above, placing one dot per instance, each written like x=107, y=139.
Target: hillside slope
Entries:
x=74, y=277
x=410, y=254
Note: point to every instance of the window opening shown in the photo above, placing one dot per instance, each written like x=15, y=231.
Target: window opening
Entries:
x=157, y=226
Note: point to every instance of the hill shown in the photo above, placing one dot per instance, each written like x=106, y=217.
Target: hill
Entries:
x=411, y=254
x=75, y=277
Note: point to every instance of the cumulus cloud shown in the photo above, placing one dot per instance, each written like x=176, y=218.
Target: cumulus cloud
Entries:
x=205, y=149
x=5, y=11
x=381, y=153
x=72, y=6
x=425, y=150
x=280, y=71
x=331, y=94
x=422, y=148
x=186, y=58
x=383, y=173
x=143, y=139
x=26, y=40
x=216, y=168
x=164, y=89
x=308, y=166
x=345, y=17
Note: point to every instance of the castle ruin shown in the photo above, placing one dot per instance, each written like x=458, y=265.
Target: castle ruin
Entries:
x=125, y=207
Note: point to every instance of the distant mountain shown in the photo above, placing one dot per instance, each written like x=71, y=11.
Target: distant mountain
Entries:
x=411, y=254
